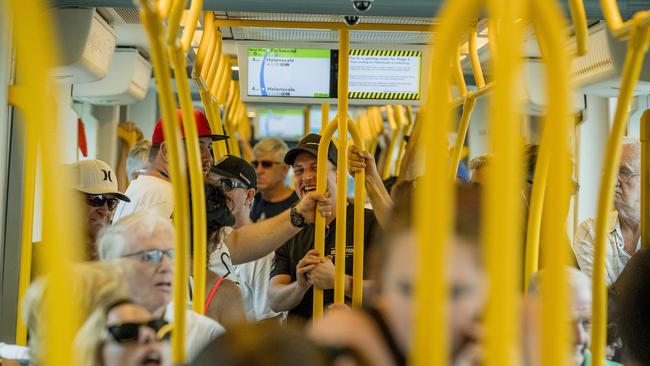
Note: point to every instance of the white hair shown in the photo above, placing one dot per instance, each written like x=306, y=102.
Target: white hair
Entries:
x=113, y=239
x=138, y=158
x=271, y=145
x=575, y=278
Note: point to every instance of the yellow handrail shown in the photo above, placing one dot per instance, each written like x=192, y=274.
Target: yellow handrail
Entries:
x=555, y=299
x=154, y=28
x=620, y=29
x=18, y=99
x=474, y=59
x=404, y=124
x=164, y=7
x=645, y=179
x=637, y=47
x=224, y=78
x=463, y=126
x=190, y=24
x=214, y=55
x=577, y=9
x=342, y=167
x=325, y=114
x=458, y=75
x=61, y=244
x=394, y=130
x=307, y=120
x=204, y=44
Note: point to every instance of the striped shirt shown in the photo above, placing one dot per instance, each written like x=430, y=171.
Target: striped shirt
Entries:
x=615, y=256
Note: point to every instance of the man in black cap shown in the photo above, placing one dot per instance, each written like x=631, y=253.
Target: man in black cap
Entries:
x=297, y=266
x=238, y=180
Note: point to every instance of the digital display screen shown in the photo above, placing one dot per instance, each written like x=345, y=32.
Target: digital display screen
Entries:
x=376, y=74
x=289, y=72
x=281, y=122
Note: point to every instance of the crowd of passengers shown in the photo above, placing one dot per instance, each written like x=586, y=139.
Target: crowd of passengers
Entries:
x=262, y=267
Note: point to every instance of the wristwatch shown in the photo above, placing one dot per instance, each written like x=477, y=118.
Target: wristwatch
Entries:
x=297, y=219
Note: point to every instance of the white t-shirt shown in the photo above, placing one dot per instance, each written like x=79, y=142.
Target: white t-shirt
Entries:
x=254, y=278
x=147, y=193
x=199, y=330
x=219, y=261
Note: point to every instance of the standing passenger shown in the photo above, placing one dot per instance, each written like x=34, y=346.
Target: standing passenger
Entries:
x=273, y=195
x=97, y=182
x=152, y=189
x=297, y=266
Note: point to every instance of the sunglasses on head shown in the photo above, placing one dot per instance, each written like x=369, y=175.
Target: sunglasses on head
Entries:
x=98, y=200
x=266, y=164
x=130, y=332
x=152, y=255
x=228, y=185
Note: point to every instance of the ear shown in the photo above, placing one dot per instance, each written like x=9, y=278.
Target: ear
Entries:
x=250, y=196
x=163, y=153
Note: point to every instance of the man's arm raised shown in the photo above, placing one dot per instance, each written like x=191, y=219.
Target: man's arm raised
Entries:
x=252, y=242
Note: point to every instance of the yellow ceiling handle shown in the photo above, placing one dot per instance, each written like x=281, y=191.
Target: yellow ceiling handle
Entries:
x=577, y=9
x=190, y=24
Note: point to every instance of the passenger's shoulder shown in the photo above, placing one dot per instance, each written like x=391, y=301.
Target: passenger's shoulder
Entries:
x=202, y=324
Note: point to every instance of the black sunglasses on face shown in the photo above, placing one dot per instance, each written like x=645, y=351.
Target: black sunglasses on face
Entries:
x=228, y=185
x=152, y=255
x=130, y=332
x=266, y=164
x=98, y=200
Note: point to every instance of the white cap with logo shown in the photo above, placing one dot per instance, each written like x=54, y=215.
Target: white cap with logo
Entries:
x=96, y=177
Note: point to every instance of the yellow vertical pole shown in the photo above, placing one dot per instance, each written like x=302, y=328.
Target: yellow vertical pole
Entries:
x=403, y=122
x=577, y=9
x=325, y=115
x=468, y=107
x=503, y=205
x=61, y=245
x=555, y=295
x=204, y=44
x=342, y=167
x=214, y=54
x=394, y=130
x=434, y=193
x=307, y=120
x=359, y=211
x=458, y=75
x=645, y=179
x=321, y=187
x=637, y=47
x=154, y=28
x=190, y=26
x=476, y=62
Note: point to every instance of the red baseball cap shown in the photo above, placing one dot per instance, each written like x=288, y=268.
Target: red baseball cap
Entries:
x=202, y=127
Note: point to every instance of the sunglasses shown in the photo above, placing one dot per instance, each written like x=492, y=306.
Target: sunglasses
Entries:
x=228, y=185
x=130, y=332
x=266, y=164
x=152, y=255
x=98, y=200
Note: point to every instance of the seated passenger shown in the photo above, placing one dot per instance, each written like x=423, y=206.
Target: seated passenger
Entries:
x=145, y=241
x=273, y=196
x=223, y=298
x=137, y=162
x=238, y=180
x=384, y=331
x=96, y=181
x=633, y=288
x=152, y=189
x=297, y=266
x=579, y=286
x=623, y=225
x=121, y=333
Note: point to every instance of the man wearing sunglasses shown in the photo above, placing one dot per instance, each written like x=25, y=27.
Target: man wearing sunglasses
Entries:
x=624, y=229
x=273, y=194
x=152, y=189
x=145, y=241
x=238, y=180
x=97, y=183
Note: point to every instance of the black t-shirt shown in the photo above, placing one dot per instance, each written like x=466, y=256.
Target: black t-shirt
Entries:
x=264, y=209
x=288, y=255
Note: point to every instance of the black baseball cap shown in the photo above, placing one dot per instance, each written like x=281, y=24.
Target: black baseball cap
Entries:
x=309, y=144
x=234, y=167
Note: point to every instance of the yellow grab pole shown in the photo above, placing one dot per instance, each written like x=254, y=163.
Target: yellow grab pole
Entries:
x=19, y=100
x=434, y=192
x=503, y=206
x=321, y=187
x=31, y=24
x=468, y=107
x=325, y=114
x=214, y=117
x=619, y=28
x=204, y=44
x=214, y=56
x=174, y=21
x=224, y=80
x=555, y=292
x=404, y=124
x=637, y=47
x=197, y=189
x=579, y=18
x=388, y=154
x=164, y=7
x=476, y=62
x=218, y=77
x=645, y=179
x=458, y=75
x=154, y=28
x=342, y=168
x=190, y=24
x=307, y=120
